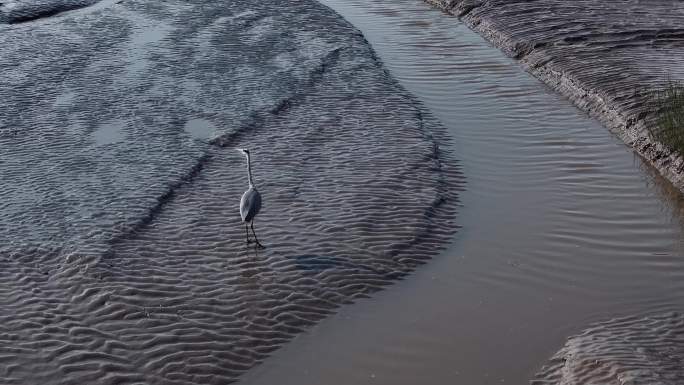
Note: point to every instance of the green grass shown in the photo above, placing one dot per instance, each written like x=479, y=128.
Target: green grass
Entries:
x=669, y=110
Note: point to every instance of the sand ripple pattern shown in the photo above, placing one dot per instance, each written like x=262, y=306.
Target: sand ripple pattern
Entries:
x=20, y=11
x=630, y=350
x=121, y=251
x=606, y=56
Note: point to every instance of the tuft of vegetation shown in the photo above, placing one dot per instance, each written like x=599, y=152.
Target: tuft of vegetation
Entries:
x=669, y=114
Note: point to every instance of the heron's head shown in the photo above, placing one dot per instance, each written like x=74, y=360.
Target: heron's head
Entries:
x=244, y=151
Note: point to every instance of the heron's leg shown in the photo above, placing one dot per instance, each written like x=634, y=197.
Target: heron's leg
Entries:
x=255, y=237
x=247, y=232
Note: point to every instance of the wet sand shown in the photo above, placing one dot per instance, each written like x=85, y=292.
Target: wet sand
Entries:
x=606, y=57
x=629, y=350
x=122, y=255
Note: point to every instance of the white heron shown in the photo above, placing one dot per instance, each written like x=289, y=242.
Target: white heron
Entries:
x=250, y=204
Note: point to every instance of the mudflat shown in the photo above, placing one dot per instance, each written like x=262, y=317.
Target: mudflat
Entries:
x=122, y=255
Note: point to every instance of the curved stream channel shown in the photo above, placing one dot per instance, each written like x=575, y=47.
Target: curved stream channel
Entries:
x=563, y=226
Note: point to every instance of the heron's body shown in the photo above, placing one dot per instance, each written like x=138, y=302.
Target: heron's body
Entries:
x=250, y=204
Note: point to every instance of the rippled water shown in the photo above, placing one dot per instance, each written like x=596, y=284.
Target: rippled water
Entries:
x=607, y=57
x=563, y=226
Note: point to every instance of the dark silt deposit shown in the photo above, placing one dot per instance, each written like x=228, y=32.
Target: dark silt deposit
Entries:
x=122, y=255
x=652, y=352
x=18, y=11
x=606, y=56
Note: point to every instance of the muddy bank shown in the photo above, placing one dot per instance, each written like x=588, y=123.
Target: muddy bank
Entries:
x=603, y=56
x=630, y=350
x=122, y=255
x=13, y=11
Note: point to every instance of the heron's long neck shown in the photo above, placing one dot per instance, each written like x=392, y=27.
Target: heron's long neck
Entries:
x=249, y=170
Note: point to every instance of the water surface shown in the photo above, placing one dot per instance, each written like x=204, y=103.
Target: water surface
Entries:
x=563, y=226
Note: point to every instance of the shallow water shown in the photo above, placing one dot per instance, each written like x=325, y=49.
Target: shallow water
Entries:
x=563, y=226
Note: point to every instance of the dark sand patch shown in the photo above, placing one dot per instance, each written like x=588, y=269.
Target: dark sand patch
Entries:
x=21, y=11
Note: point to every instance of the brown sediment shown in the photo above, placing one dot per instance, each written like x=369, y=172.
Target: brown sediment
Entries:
x=606, y=57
